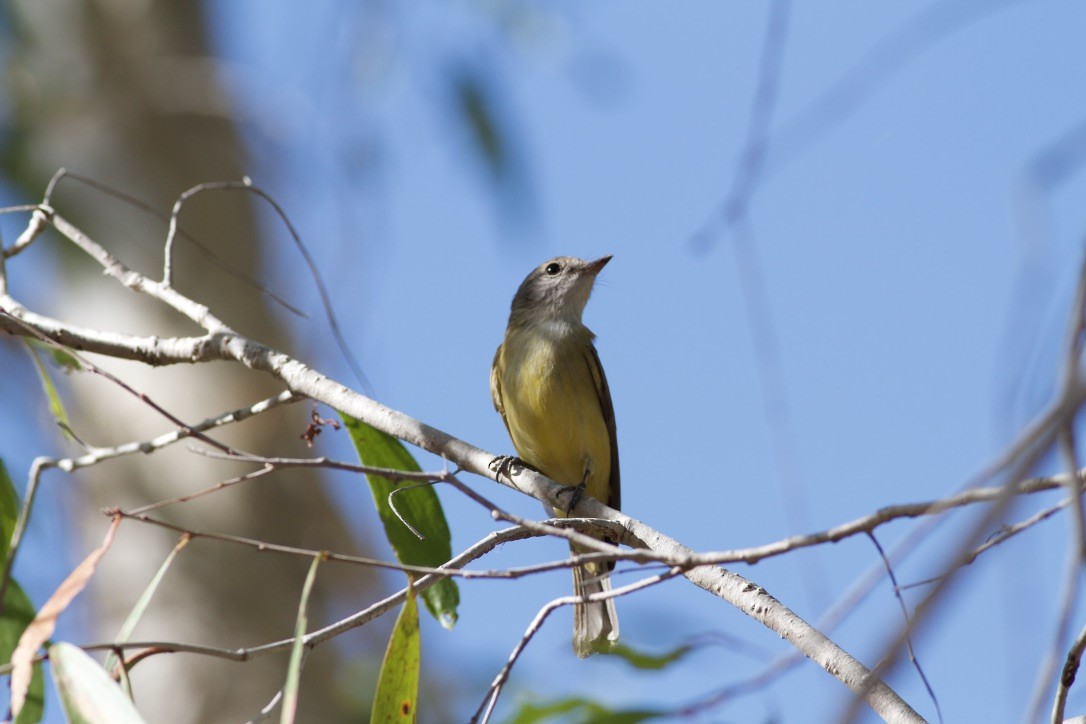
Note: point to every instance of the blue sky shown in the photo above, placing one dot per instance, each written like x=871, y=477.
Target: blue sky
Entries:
x=892, y=261
x=917, y=320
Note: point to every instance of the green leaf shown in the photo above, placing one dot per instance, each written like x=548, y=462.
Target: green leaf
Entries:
x=647, y=661
x=587, y=710
x=86, y=691
x=144, y=601
x=9, y=510
x=56, y=407
x=61, y=358
x=17, y=615
x=580, y=710
x=297, y=651
x=65, y=360
x=419, y=506
x=398, y=685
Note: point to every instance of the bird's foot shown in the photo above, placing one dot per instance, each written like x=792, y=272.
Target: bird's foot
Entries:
x=507, y=465
x=576, y=492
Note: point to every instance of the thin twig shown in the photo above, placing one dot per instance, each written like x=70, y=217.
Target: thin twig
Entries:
x=271, y=465
x=325, y=462
x=486, y=708
x=221, y=485
x=39, y=221
x=135, y=281
x=905, y=614
x=485, y=545
x=145, y=447
x=314, y=272
x=207, y=251
x=994, y=540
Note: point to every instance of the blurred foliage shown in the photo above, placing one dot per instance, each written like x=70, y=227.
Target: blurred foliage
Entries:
x=17, y=614
x=646, y=661
x=87, y=693
x=582, y=711
x=477, y=110
x=56, y=405
x=17, y=611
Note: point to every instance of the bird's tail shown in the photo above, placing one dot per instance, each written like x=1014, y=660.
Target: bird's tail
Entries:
x=595, y=624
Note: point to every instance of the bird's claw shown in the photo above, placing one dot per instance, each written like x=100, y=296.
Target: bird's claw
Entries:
x=576, y=492
x=506, y=465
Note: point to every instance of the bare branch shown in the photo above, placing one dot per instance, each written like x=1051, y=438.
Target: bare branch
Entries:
x=271, y=465
x=148, y=446
x=486, y=708
x=1004, y=533
x=147, y=208
x=476, y=551
x=905, y=616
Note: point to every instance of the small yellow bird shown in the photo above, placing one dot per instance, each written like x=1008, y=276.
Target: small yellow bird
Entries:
x=549, y=387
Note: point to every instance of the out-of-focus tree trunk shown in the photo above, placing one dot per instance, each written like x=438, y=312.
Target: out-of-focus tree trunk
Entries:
x=125, y=92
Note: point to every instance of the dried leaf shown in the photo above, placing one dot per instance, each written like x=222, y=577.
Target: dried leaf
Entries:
x=43, y=625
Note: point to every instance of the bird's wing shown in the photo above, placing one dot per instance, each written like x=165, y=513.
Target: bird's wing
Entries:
x=496, y=386
x=614, y=499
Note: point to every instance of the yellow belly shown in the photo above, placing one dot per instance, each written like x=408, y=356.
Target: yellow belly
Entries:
x=552, y=408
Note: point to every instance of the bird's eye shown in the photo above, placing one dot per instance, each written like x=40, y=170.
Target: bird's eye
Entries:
x=553, y=268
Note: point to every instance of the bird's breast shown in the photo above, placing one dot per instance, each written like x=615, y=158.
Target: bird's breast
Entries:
x=552, y=407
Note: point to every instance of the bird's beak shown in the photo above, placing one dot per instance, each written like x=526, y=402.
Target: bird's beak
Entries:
x=594, y=267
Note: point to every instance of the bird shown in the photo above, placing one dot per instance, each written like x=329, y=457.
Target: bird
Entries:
x=549, y=387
